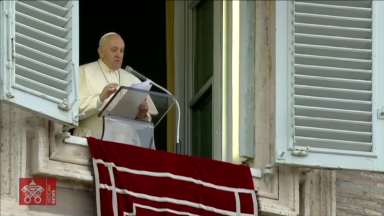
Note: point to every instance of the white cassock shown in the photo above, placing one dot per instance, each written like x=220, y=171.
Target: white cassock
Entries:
x=93, y=77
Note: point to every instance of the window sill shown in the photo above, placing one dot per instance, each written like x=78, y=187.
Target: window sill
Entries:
x=80, y=141
x=68, y=157
x=71, y=150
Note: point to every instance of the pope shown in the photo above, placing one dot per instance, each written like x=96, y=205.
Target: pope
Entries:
x=99, y=80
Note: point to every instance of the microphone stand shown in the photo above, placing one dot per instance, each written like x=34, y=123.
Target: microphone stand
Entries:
x=139, y=75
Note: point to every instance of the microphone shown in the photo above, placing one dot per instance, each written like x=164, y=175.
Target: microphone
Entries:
x=139, y=75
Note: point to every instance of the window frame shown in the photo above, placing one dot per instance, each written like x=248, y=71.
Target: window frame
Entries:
x=184, y=65
x=226, y=147
x=198, y=93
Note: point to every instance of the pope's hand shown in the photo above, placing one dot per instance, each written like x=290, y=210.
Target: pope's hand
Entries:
x=108, y=91
x=143, y=109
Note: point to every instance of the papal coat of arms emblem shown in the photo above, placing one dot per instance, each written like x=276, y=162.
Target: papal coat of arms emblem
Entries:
x=37, y=191
x=32, y=191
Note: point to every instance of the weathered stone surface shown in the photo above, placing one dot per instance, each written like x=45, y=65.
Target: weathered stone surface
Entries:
x=16, y=154
x=359, y=193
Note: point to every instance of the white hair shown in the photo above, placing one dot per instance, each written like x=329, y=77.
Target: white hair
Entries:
x=101, y=42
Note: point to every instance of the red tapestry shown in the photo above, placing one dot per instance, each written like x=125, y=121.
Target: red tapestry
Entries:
x=132, y=180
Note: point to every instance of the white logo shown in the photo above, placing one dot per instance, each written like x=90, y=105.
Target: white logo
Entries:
x=32, y=190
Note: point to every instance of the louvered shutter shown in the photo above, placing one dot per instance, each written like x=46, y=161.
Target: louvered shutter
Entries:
x=43, y=40
x=329, y=61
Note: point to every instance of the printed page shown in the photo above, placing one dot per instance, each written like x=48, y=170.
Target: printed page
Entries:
x=127, y=106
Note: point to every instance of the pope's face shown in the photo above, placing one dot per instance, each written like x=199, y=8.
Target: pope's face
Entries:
x=112, y=52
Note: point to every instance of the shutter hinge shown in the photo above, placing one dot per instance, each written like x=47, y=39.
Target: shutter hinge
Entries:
x=259, y=173
x=380, y=113
x=268, y=173
x=300, y=151
x=268, y=170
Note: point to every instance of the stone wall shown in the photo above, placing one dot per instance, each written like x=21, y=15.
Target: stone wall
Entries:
x=15, y=161
x=359, y=193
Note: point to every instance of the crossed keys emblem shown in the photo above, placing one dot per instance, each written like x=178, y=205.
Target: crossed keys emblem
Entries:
x=32, y=190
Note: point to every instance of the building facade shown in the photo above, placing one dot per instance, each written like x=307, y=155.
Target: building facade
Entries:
x=230, y=65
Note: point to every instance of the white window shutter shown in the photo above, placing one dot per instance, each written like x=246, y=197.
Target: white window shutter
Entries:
x=41, y=68
x=329, y=64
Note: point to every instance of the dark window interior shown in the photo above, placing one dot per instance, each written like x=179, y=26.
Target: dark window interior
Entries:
x=142, y=26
